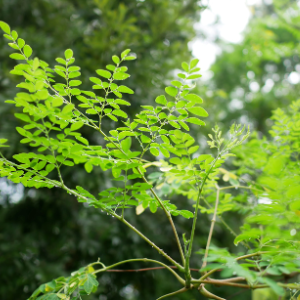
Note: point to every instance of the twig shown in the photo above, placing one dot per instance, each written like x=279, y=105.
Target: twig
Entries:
x=146, y=269
x=172, y=294
x=211, y=229
x=189, y=252
x=104, y=269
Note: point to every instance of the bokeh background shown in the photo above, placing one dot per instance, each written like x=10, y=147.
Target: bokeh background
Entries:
x=249, y=55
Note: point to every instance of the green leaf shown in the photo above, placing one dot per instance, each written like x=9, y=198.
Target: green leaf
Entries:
x=120, y=76
x=22, y=117
x=103, y=73
x=164, y=151
x=172, y=91
x=154, y=151
x=76, y=126
x=194, y=63
x=116, y=59
x=199, y=111
x=17, y=56
x=193, y=149
x=194, y=120
x=174, y=124
x=21, y=43
x=57, y=102
x=126, y=144
x=185, y=66
x=185, y=213
x=130, y=58
x=176, y=83
x=96, y=80
x=5, y=27
x=68, y=108
x=120, y=113
x=90, y=283
x=75, y=82
x=125, y=89
x=161, y=100
x=125, y=53
x=193, y=97
x=68, y=53
x=183, y=125
x=195, y=76
x=122, y=102
x=27, y=51
x=88, y=167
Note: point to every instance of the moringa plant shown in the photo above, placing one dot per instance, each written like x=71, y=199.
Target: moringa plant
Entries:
x=156, y=139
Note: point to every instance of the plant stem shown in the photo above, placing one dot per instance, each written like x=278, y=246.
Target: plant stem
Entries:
x=172, y=294
x=144, y=260
x=189, y=252
x=211, y=229
x=180, y=268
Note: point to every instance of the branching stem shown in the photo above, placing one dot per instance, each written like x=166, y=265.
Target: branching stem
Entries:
x=189, y=252
x=181, y=280
x=211, y=229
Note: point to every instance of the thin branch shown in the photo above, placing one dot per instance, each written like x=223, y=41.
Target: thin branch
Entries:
x=208, y=294
x=146, y=269
x=104, y=269
x=211, y=229
x=189, y=252
x=174, y=293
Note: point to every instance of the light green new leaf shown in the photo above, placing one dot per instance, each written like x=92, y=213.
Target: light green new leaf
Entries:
x=27, y=51
x=185, y=66
x=125, y=89
x=194, y=120
x=76, y=126
x=126, y=144
x=22, y=117
x=5, y=27
x=68, y=53
x=161, y=100
x=199, y=111
x=195, y=76
x=172, y=91
x=17, y=56
x=194, y=63
x=120, y=113
x=75, y=82
x=125, y=53
x=154, y=151
x=120, y=76
x=88, y=167
x=193, y=97
x=103, y=73
x=116, y=59
x=193, y=149
x=21, y=43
